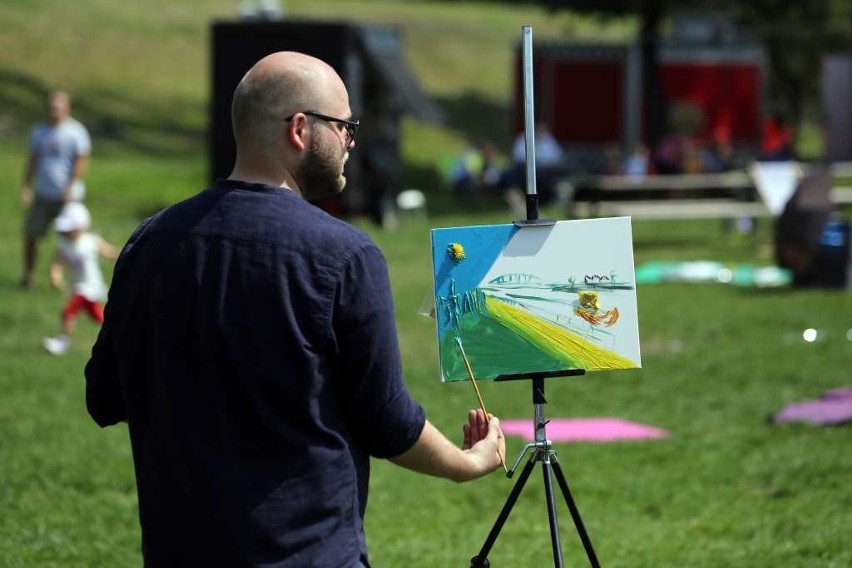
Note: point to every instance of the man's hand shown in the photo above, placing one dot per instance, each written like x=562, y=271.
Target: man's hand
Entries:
x=26, y=195
x=434, y=454
x=484, y=439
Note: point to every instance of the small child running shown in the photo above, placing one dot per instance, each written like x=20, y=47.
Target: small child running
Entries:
x=78, y=250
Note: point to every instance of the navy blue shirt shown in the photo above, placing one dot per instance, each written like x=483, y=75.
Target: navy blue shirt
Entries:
x=249, y=341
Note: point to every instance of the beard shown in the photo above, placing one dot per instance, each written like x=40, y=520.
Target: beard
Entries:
x=320, y=175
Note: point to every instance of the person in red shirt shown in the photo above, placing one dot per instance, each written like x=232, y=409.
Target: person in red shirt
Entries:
x=778, y=139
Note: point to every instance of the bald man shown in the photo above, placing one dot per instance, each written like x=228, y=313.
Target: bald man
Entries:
x=58, y=161
x=249, y=342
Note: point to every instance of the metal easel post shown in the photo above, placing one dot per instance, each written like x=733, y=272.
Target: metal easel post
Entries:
x=542, y=449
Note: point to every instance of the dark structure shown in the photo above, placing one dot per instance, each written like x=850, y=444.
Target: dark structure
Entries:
x=837, y=114
x=381, y=89
x=809, y=238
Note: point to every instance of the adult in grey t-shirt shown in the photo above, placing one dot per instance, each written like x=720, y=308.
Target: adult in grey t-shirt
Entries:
x=58, y=160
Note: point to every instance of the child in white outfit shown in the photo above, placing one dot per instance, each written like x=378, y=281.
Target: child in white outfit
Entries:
x=78, y=251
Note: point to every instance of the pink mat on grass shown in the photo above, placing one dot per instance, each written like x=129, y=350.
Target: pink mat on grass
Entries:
x=833, y=407
x=584, y=430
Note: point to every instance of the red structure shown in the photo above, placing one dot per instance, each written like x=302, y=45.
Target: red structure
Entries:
x=727, y=91
x=591, y=95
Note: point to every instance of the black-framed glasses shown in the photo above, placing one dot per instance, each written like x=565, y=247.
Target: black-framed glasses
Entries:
x=351, y=126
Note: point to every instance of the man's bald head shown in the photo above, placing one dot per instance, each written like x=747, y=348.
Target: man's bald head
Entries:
x=277, y=86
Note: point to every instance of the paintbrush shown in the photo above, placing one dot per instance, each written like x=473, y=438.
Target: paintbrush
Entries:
x=478, y=394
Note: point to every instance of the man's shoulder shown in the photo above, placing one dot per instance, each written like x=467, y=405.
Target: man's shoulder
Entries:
x=275, y=217
x=40, y=129
x=75, y=127
x=69, y=130
x=310, y=228
x=330, y=227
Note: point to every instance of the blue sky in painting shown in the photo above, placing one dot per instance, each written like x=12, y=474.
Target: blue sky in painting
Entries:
x=482, y=244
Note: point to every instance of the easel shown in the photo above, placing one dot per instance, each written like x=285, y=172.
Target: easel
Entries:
x=542, y=449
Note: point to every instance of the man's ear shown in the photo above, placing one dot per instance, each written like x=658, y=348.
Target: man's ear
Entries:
x=296, y=132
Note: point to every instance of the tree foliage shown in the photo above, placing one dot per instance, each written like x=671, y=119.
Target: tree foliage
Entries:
x=794, y=36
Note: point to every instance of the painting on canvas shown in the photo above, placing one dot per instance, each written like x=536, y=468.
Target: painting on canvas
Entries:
x=535, y=299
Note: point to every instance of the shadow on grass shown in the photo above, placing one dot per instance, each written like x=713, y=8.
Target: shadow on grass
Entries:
x=170, y=127
x=441, y=200
x=22, y=100
x=162, y=127
x=478, y=119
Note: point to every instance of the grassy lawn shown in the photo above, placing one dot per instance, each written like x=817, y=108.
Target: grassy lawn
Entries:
x=725, y=489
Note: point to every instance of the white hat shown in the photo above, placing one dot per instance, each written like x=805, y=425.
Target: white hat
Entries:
x=73, y=217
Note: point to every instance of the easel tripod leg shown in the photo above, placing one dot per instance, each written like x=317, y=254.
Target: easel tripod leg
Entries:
x=575, y=515
x=551, y=514
x=481, y=559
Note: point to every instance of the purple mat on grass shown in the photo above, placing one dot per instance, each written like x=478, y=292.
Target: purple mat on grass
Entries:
x=833, y=407
x=584, y=430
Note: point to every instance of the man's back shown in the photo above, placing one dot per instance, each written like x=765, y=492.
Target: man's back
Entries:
x=227, y=332
x=249, y=341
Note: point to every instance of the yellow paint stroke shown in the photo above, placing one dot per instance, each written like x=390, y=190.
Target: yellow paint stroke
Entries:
x=456, y=251
x=555, y=340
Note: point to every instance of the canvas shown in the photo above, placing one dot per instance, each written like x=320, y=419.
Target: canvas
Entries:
x=535, y=299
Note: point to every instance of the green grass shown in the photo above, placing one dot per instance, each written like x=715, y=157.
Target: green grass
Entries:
x=726, y=489
x=139, y=71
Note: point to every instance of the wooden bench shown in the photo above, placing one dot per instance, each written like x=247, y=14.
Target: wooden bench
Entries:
x=841, y=194
x=727, y=195
x=689, y=196
x=673, y=209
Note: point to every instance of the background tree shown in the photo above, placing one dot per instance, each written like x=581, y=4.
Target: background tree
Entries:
x=794, y=36
x=651, y=14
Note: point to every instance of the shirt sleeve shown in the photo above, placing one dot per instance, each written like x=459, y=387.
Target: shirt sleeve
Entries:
x=104, y=400
x=380, y=410
x=84, y=142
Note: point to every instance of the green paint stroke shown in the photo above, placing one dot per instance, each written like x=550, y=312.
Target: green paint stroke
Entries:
x=493, y=350
x=455, y=306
